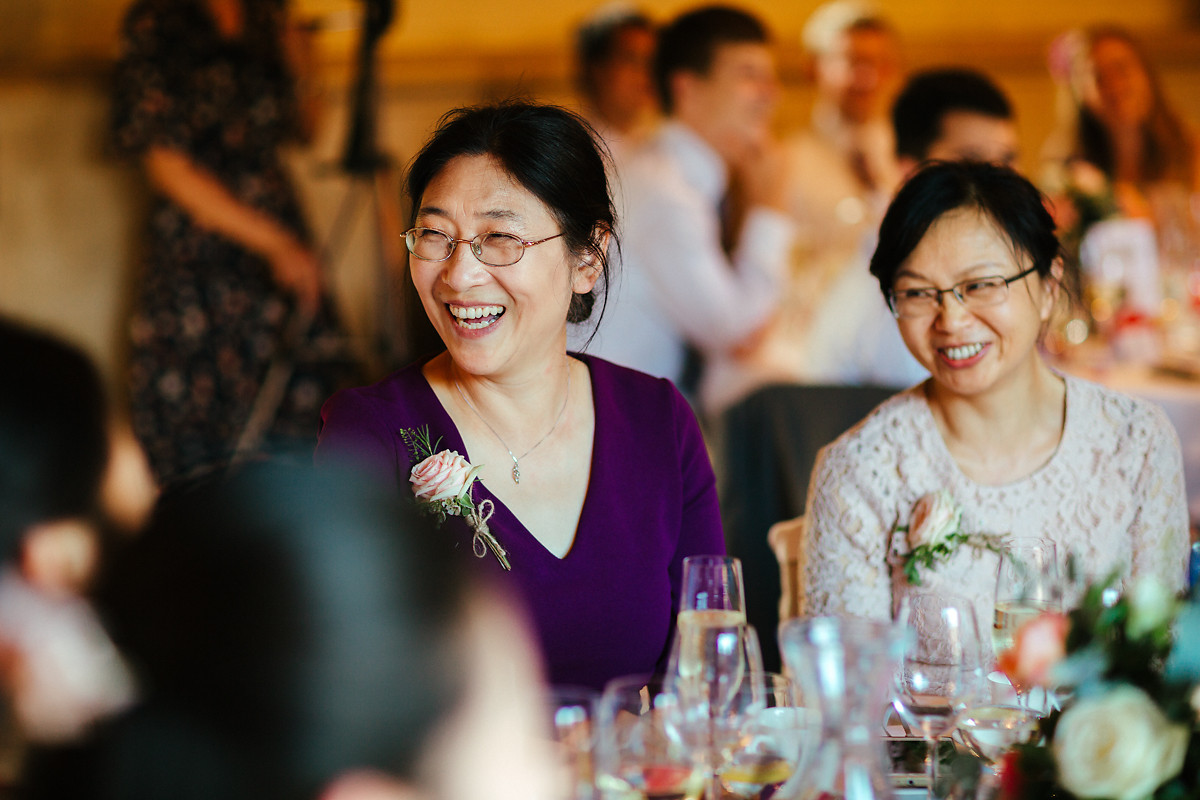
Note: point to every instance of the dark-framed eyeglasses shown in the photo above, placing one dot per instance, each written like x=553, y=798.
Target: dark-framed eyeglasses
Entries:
x=973, y=293
x=494, y=249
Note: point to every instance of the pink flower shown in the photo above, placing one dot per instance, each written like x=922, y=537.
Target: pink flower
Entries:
x=442, y=476
x=1038, y=646
x=935, y=516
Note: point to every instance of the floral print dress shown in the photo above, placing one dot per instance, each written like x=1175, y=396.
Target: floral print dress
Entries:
x=209, y=315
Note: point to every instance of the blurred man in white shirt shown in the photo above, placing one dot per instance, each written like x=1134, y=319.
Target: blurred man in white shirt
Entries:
x=678, y=286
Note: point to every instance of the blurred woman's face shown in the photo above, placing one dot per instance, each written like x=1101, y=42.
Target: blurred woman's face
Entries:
x=623, y=83
x=1121, y=91
x=495, y=320
x=972, y=351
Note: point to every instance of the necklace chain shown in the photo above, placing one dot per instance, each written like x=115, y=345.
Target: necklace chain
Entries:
x=516, y=467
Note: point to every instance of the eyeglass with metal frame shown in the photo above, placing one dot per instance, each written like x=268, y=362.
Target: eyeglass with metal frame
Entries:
x=972, y=293
x=495, y=249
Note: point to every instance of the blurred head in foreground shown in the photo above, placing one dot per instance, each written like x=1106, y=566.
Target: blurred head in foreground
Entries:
x=68, y=474
x=304, y=636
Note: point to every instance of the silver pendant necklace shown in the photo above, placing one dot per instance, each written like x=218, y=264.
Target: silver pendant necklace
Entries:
x=516, y=467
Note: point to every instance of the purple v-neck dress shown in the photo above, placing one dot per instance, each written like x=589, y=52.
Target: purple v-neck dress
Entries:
x=608, y=607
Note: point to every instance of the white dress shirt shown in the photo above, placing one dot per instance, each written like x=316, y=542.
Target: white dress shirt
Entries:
x=675, y=285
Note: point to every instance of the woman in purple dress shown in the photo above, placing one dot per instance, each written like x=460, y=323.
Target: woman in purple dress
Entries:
x=592, y=481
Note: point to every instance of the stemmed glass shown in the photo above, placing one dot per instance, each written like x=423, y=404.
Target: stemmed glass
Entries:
x=712, y=591
x=1027, y=584
x=709, y=665
x=990, y=731
x=764, y=743
x=940, y=674
x=643, y=748
x=573, y=711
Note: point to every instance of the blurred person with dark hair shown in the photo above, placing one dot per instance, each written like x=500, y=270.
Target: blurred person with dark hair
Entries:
x=205, y=96
x=69, y=477
x=970, y=266
x=302, y=635
x=941, y=114
x=580, y=483
x=953, y=114
x=692, y=276
x=614, y=48
x=1117, y=118
x=838, y=175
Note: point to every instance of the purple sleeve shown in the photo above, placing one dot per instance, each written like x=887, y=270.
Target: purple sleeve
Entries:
x=700, y=531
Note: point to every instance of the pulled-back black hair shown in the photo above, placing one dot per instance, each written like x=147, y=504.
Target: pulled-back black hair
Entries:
x=549, y=151
x=929, y=96
x=689, y=43
x=53, y=432
x=1013, y=203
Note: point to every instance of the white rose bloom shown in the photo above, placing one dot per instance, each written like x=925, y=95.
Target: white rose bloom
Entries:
x=934, y=517
x=1151, y=604
x=1117, y=745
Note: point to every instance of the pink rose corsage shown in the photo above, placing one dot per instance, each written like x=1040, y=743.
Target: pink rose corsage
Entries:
x=932, y=535
x=441, y=481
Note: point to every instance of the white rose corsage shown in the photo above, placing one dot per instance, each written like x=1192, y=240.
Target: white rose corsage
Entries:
x=441, y=481
x=932, y=535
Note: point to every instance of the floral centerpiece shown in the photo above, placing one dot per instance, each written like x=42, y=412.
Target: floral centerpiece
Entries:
x=441, y=481
x=933, y=534
x=1129, y=668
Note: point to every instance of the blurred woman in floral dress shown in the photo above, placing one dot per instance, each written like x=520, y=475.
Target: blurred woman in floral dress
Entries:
x=204, y=98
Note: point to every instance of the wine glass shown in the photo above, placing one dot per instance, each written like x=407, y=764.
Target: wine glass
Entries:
x=709, y=665
x=643, y=749
x=763, y=744
x=939, y=675
x=1027, y=584
x=990, y=731
x=573, y=711
x=712, y=591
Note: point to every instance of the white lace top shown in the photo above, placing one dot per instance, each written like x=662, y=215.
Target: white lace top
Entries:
x=1112, y=494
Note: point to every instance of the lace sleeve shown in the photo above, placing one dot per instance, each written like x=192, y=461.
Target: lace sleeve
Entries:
x=1159, y=533
x=845, y=546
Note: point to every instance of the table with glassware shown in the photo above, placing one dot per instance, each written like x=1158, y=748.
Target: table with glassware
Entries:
x=860, y=709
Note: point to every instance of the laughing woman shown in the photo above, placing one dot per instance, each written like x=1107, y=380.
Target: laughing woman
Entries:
x=968, y=261
x=593, y=480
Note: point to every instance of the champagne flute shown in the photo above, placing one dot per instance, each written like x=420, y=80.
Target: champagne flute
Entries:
x=764, y=743
x=712, y=591
x=939, y=676
x=1027, y=584
x=709, y=665
x=643, y=749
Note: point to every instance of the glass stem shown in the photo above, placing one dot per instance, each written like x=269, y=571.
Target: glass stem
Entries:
x=933, y=766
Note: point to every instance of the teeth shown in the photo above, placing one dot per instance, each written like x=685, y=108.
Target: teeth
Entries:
x=465, y=315
x=475, y=312
x=963, y=352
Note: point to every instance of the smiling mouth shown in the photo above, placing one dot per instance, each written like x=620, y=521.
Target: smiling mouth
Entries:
x=962, y=352
x=475, y=318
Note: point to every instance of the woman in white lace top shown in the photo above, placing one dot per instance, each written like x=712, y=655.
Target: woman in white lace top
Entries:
x=968, y=261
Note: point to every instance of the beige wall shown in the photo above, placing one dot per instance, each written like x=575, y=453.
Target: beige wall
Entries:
x=69, y=212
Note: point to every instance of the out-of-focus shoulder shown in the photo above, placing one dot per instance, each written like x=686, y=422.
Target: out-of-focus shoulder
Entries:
x=893, y=419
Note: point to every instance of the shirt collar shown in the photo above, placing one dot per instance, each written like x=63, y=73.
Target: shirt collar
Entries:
x=701, y=165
